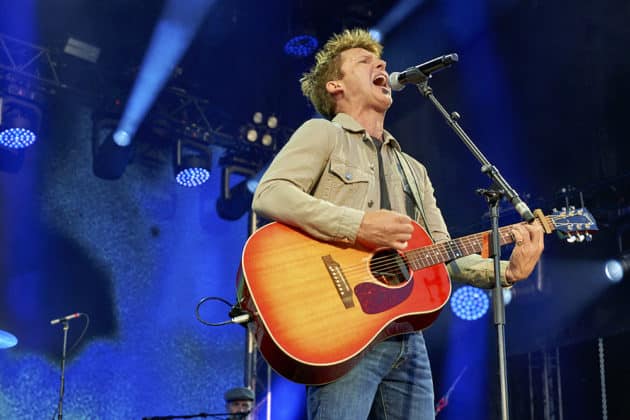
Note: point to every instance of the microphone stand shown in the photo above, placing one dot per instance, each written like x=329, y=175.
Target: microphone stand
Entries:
x=499, y=189
x=66, y=327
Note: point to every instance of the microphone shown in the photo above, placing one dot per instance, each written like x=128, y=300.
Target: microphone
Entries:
x=421, y=72
x=65, y=318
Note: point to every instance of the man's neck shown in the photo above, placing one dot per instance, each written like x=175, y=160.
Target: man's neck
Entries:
x=372, y=120
x=373, y=124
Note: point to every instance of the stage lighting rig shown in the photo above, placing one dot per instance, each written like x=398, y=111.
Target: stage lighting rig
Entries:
x=193, y=162
x=263, y=135
x=109, y=159
x=20, y=120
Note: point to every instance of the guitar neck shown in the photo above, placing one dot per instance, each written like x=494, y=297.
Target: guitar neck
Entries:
x=456, y=248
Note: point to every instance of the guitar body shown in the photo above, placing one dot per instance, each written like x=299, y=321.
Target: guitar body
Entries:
x=319, y=306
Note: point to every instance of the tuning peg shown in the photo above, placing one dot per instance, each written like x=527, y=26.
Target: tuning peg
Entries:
x=580, y=237
x=572, y=208
x=571, y=239
x=554, y=210
x=589, y=237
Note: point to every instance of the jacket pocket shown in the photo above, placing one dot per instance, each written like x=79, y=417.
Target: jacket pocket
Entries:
x=346, y=184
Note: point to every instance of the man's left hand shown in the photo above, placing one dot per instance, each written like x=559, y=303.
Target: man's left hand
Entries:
x=529, y=240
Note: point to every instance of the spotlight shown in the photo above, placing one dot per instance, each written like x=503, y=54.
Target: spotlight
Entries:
x=109, y=158
x=19, y=123
x=267, y=140
x=617, y=268
x=252, y=135
x=470, y=303
x=376, y=34
x=272, y=122
x=301, y=46
x=192, y=163
x=257, y=118
x=7, y=340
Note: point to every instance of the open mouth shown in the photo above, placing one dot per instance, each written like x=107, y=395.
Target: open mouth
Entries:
x=381, y=81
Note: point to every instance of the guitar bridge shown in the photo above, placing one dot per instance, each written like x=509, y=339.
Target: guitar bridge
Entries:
x=339, y=281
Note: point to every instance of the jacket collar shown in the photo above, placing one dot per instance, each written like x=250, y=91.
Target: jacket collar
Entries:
x=350, y=124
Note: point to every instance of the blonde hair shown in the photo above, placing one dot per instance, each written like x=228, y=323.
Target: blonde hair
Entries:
x=328, y=67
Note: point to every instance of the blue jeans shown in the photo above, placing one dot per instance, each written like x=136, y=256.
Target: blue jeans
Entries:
x=393, y=381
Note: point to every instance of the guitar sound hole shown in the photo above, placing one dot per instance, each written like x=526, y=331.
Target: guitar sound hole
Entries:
x=389, y=267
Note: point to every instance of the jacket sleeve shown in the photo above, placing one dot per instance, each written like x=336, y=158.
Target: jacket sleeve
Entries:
x=283, y=193
x=476, y=271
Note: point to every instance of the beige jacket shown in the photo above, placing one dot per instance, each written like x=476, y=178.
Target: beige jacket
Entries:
x=326, y=177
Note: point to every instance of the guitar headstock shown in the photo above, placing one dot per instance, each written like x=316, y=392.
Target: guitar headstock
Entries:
x=574, y=225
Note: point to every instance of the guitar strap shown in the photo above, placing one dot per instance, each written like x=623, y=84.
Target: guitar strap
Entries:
x=409, y=176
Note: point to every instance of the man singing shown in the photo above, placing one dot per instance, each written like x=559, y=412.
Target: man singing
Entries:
x=339, y=179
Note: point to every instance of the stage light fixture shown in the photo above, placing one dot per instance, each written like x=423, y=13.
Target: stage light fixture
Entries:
x=193, y=162
x=109, y=159
x=272, y=122
x=82, y=50
x=257, y=118
x=376, y=34
x=19, y=122
x=470, y=303
x=236, y=200
x=267, y=140
x=252, y=135
x=617, y=268
x=301, y=46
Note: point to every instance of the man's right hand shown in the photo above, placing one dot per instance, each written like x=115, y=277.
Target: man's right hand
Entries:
x=384, y=229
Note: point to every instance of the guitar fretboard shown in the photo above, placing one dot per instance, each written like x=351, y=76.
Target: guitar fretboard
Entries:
x=456, y=248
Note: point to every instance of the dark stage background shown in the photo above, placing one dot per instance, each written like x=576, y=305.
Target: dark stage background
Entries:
x=542, y=87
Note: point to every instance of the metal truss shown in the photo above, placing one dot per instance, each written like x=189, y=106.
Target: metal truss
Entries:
x=42, y=70
x=29, y=61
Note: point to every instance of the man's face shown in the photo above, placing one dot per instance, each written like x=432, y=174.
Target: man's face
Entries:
x=365, y=81
x=239, y=406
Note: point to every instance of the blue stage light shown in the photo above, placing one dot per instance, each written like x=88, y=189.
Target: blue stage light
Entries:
x=171, y=37
x=122, y=138
x=376, y=34
x=17, y=138
x=470, y=303
x=7, y=340
x=301, y=46
x=192, y=177
x=617, y=268
x=193, y=162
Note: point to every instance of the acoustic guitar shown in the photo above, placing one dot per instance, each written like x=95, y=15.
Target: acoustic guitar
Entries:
x=318, y=306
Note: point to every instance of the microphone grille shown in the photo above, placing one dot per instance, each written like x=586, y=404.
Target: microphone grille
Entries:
x=394, y=83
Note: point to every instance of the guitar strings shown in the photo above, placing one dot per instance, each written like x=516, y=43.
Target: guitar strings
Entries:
x=434, y=254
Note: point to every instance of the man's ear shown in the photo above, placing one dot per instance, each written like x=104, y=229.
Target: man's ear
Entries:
x=333, y=87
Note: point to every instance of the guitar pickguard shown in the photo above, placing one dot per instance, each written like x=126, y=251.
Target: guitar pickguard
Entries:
x=390, y=268
x=375, y=298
